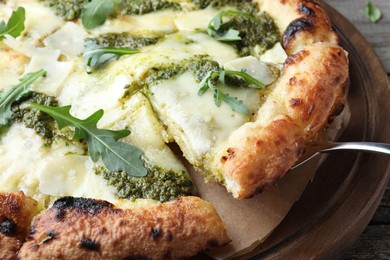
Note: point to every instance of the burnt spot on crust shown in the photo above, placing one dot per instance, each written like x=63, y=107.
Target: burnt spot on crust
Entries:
x=305, y=10
x=89, y=244
x=295, y=102
x=155, y=233
x=8, y=227
x=31, y=231
x=223, y=159
x=297, y=26
x=231, y=153
x=82, y=205
x=135, y=257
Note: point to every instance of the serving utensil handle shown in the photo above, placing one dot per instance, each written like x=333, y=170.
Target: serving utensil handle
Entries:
x=359, y=146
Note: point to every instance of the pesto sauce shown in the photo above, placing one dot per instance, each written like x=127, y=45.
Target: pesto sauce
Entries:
x=71, y=9
x=159, y=184
x=42, y=123
x=123, y=40
x=67, y=9
x=140, y=7
x=198, y=65
x=257, y=37
x=246, y=6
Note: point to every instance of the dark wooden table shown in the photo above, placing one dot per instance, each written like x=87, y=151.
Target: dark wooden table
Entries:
x=374, y=243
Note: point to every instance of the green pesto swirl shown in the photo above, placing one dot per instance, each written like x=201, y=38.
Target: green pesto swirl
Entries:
x=159, y=184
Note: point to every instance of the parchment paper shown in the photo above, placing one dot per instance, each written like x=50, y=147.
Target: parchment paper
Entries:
x=249, y=222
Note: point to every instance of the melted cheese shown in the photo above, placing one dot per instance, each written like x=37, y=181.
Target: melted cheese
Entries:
x=161, y=22
x=195, y=122
x=195, y=20
x=40, y=21
x=69, y=39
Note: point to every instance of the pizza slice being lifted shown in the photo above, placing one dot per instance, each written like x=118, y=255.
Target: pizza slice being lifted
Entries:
x=92, y=92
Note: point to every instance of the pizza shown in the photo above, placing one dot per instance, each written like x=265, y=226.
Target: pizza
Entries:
x=94, y=94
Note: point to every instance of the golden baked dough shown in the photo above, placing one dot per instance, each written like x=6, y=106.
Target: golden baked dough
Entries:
x=76, y=228
x=16, y=213
x=310, y=91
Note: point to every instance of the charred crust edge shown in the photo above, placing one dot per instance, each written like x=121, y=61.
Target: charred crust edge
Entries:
x=89, y=244
x=155, y=233
x=296, y=26
x=82, y=205
x=8, y=227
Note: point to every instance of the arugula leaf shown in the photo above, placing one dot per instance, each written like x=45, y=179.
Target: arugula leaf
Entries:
x=373, y=13
x=13, y=93
x=214, y=77
x=235, y=104
x=220, y=31
x=102, y=143
x=95, y=55
x=15, y=24
x=96, y=12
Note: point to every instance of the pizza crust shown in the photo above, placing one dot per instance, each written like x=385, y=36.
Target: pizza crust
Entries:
x=303, y=23
x=310, y=92
x=77, y=228
x=16, y=213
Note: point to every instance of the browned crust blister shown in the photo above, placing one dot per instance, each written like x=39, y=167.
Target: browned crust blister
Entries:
x=16, y=212
x=77, y=228
x=310, y=92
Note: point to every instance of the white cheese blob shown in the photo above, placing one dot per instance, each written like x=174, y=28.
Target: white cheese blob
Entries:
x=40, y=21
x=195, y=20
x=200, y=123
x=56, y=73
x=29, y=49
x=146, y=131
x=160, y=22
x=276, y=55
x=69, y=39
x=253, y=67
x=87, y=93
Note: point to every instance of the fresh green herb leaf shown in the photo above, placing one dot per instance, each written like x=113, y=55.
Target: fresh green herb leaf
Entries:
x=15, y=24
x=14, y=93
x=251, y=81
x=96, y=12
x=235, y=104
x=95, y=55
x=373, y=13
x=102, y=143
x=214, y=77
x=221, y=31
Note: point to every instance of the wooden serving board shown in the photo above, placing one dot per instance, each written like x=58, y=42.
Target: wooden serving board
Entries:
x=347, y=189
